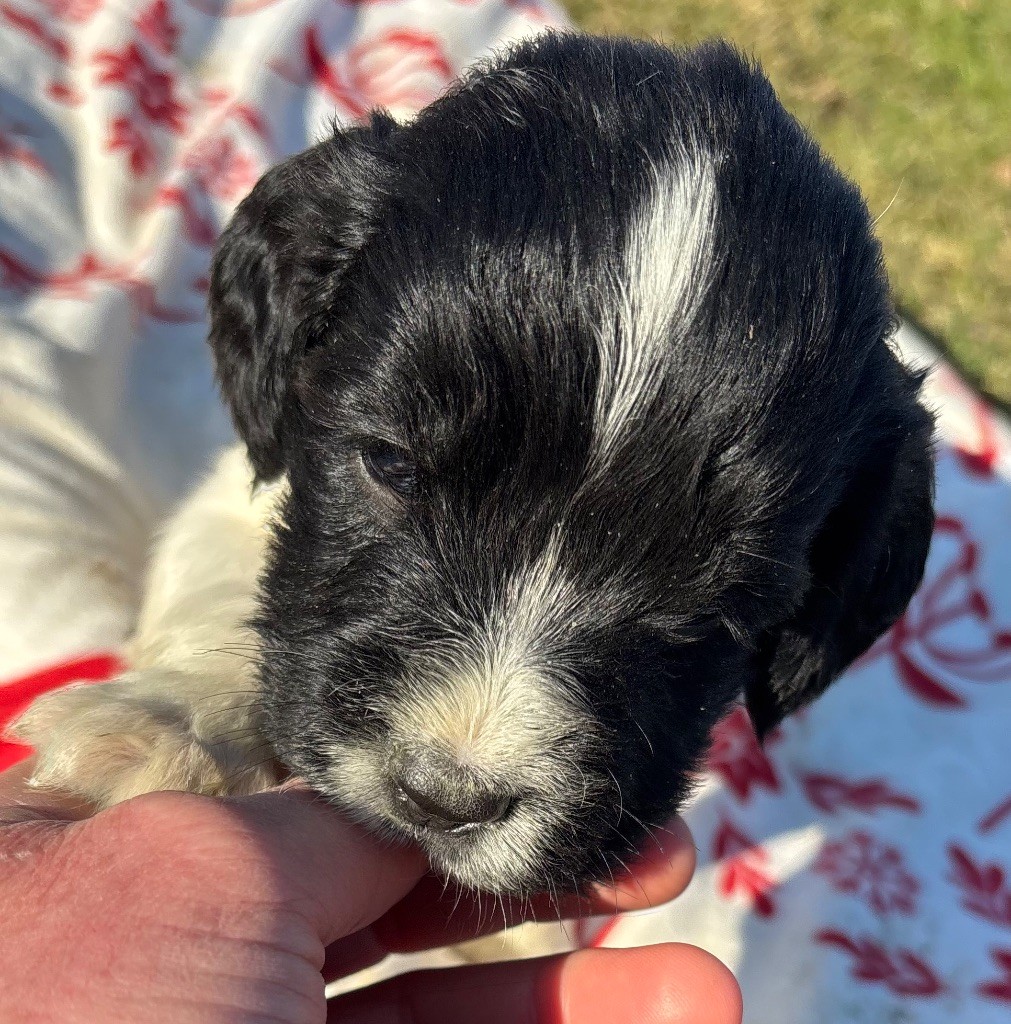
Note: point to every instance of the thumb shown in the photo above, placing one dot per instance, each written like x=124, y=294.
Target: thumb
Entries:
x=342, y=877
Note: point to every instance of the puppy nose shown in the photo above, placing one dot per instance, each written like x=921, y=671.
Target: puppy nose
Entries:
x=435, y=792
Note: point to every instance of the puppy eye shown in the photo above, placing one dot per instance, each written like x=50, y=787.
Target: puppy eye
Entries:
x=391, y=468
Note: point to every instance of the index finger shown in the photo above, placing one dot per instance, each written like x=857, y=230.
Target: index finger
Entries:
x=434, y=914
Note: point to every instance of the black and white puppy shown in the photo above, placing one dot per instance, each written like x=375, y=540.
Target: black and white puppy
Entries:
x=579, y=395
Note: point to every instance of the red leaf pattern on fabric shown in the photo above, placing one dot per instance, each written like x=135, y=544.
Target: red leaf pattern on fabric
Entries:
x=985, y=890
x=830, y=793
x=78, y=282
x=33, y=29
x=998, y=989
x=745, y=868
x=737, y=757
x=900, y=970
x=993, y=819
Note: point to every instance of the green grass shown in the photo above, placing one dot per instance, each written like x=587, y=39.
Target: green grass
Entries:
x=912, y=99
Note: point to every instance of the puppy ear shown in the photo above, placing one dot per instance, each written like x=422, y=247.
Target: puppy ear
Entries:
x=277, y=266
x=865, y=564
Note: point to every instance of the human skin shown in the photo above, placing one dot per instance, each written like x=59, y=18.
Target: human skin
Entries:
x=191, y=910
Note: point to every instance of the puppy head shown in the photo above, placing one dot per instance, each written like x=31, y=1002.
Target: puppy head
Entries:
x=582, y=390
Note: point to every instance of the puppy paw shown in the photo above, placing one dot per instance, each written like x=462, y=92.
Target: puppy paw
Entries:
x=104, y=743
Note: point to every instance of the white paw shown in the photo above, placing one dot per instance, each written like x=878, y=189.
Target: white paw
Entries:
x=107, y=742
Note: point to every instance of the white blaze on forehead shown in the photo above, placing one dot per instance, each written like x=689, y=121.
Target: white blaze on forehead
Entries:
x=659, y=289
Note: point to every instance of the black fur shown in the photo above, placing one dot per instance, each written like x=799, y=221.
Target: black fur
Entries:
x=440, y=287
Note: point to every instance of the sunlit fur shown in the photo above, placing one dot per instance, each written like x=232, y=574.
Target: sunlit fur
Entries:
x=633, y=329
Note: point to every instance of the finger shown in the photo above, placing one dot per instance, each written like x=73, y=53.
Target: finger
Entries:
x=665, y=984
x=350, y=876
x=435, y=915
x=288, y=847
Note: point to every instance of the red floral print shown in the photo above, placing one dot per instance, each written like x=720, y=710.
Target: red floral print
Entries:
x=158, y=28
x=831, y=793
x=738, y=759
x=144, y=298
x=33, y=29
x=152, y=89
x=948, y=635
x=82, y=280
x=64, y=93
x=900, y=970
x=993, y=819
x=874, y=871
x=126, y=135
x=985, y=890
x=745, y=868
x=199, y=229
x=74, y=11
x=216, y=96
x=221, y=168
x=398, y=68
x=78, y=282
x=998, y=989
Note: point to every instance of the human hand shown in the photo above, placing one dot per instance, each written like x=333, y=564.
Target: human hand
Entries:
x=184, y=909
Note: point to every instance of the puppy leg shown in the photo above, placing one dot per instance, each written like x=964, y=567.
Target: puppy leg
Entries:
x=108, y=742
x=186, y=714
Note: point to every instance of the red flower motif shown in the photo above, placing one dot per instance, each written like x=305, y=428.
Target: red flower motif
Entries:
x=871, y=870
x=125, y=135
x=152, y=89
x=744, y=868
x=738, y=759
x=155, y=25
x=221, y=168
x=998, y=989
x=948, y=634
x=831, y=793
x=900, y=970
x=398, y=68
x=984, y=888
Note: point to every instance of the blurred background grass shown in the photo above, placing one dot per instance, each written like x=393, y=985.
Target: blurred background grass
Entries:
x=912, y=99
